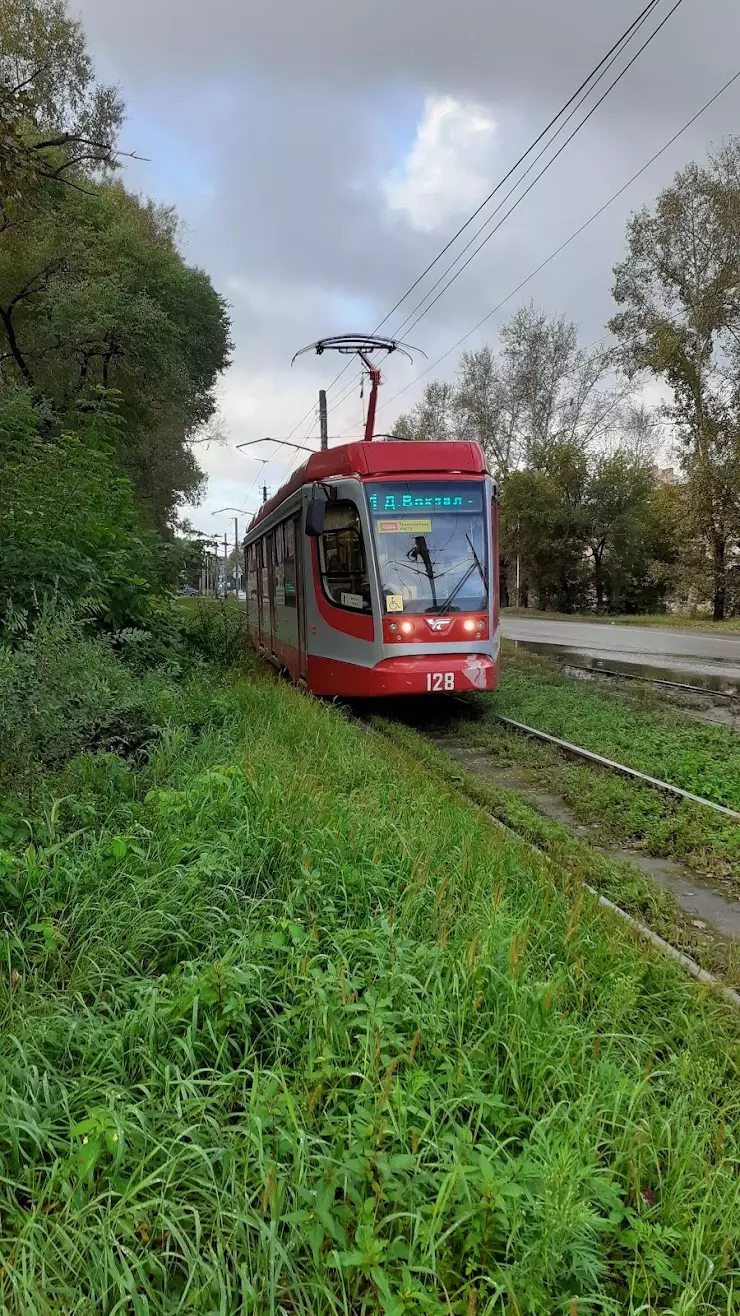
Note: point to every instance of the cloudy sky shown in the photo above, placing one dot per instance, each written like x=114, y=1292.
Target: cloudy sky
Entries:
x=320, y=153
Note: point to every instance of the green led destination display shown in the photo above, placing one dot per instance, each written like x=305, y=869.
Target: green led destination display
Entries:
x=410, y=497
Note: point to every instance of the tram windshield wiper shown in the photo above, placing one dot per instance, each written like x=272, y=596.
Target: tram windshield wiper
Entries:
x=444, y=607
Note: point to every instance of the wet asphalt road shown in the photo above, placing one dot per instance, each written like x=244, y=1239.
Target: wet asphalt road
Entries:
x=683, y=653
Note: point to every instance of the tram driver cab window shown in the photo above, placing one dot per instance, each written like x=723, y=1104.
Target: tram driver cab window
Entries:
x=342, y=559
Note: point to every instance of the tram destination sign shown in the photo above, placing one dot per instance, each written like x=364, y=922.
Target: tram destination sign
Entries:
x=409, y=498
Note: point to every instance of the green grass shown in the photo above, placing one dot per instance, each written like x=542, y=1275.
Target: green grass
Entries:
x=629, y=619
x=289, y=1028
x=634, y=728
x=620, y=880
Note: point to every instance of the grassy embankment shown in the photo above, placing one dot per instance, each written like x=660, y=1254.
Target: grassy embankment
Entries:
x=630, y=619
x=637, y=728
x=290, y=1028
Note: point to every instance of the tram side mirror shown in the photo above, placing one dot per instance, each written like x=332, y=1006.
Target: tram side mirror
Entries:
x=315, y=516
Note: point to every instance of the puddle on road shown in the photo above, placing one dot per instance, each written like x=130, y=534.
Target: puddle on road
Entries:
x=711, y=682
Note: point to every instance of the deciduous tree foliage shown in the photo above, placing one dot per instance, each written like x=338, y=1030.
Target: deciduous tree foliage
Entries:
x=69, y=526
x=590, y=529
x=56, y=119
x=679, y=290
x=93, y=290
x=572, y=459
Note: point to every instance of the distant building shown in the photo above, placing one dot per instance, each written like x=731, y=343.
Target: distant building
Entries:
x=665, y=475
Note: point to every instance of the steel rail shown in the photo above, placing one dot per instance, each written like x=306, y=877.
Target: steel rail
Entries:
x=579, y=752
x=690, y=965
x=651, y=680
x=647, y=934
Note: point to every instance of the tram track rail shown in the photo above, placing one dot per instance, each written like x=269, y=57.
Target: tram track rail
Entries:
x=647, y=934
x=682, y=687
x=578, y=751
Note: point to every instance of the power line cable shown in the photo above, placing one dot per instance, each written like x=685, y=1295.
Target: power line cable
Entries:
x=346, y=392
x=296, y=456
x=635, y=27
x=587, y=223
x=622, y=41
x=255, y=482
x=408, y=327
x=405, y=323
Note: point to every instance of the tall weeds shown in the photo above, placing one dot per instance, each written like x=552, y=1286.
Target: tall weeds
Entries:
x=288, y=1029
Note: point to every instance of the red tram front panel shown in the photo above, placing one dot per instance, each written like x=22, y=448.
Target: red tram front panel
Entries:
x=398, y=595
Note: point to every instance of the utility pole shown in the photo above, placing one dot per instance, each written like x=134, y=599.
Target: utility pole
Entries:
x=237, y=563
x=226, y=565
x=323, y=420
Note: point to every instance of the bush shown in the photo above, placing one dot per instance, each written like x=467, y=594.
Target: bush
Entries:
x=68, y=521
x=216, y=632
x=62, y=691
x=158, y=643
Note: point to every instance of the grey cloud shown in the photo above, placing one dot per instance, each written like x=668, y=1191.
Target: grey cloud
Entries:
x=298, y=110
x=496, y=50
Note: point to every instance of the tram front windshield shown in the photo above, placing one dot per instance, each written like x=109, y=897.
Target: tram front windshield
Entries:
x=431, y=545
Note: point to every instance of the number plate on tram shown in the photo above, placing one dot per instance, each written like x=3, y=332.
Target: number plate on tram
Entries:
x=439, y=681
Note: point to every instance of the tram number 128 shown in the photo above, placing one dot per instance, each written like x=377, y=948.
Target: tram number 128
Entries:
x=437, y=681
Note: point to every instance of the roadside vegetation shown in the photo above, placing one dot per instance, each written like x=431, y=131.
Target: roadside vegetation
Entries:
x=619, y=879
x=289, y=1026
x=636, y=728
x=596, y=516
x=294, y=1028
x=678, y=621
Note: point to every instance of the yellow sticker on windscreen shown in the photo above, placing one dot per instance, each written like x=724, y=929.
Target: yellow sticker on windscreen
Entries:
x=406, y=523
x=394, y=602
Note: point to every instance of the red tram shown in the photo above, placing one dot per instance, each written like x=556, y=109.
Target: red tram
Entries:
x=374, y=570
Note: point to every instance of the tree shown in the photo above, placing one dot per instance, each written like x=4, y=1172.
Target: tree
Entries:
x=541, y=388
x=56, y=119
x=433, y=417
x=93, y=290
x=540, y=391
x=679, y=286
x=69, y=526
x=544, y=522
x=94, y=293
x=590, y=529
x=627, y=537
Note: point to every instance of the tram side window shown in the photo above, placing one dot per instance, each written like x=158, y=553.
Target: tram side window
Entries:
x=251, y=573
x=279, y=566
x=342, y=558
x=291, y=600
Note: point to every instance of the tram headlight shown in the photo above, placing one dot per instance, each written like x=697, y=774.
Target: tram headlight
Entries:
x=407, y=627
x=469, y=625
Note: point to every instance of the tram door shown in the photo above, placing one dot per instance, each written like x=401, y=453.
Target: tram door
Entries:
x=251, y=577
x=264, y=592
x=271, y=620
x=300, y=595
